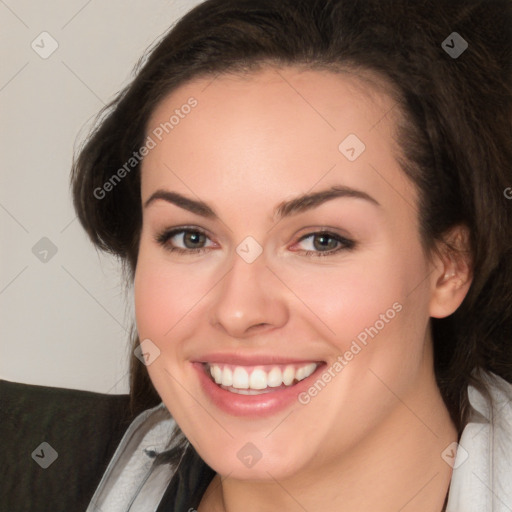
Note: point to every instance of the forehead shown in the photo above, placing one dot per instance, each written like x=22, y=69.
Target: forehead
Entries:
x=284, y=129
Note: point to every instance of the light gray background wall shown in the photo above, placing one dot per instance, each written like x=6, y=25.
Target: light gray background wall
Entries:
x=64, y=314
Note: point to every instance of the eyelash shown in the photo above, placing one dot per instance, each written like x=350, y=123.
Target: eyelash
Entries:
x=164, y=238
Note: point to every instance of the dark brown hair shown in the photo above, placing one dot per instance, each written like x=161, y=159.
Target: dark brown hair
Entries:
x=455, y=134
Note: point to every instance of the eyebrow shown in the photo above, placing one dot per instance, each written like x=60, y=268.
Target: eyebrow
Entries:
x=284, y=209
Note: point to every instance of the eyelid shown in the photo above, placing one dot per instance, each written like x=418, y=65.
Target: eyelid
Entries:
x=338, y=233
x=178, y=229
x=345, y=243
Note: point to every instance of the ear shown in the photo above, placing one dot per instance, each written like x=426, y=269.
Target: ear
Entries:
x=452, y=274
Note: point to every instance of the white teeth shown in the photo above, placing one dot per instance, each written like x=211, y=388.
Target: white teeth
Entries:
x=217, y=374
x=274, y=377
x=288, y=375
x=300, y=373
x=309, y=369
x=239, y=380
x=246, y=391
x=227, y=377
x=258, y=379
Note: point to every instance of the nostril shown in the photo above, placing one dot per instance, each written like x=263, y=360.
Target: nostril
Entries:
x=259, y=326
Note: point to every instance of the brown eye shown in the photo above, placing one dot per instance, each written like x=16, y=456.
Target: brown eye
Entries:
x=193, y=239
x=324, y=242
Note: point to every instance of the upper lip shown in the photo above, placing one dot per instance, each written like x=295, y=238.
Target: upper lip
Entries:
x=252, y=360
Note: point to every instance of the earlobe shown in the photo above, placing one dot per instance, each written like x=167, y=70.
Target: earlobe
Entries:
x=452, y=275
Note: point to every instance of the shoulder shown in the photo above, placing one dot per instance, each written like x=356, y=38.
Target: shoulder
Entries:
x=500, y=395
x=482, y=468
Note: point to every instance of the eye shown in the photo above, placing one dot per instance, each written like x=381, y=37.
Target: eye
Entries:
x=324, y=243
x=184, y=240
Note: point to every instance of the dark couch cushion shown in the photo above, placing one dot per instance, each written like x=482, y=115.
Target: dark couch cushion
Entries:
x=82, y=427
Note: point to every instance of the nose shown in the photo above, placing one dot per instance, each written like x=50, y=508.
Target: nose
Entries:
x=249, y=300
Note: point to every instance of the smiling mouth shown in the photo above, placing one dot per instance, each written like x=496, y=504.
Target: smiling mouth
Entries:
x=257, y=380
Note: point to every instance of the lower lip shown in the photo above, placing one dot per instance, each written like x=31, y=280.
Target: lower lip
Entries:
x=259, y=406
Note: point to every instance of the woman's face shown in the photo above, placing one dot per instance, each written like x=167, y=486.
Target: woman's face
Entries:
x=280, y=237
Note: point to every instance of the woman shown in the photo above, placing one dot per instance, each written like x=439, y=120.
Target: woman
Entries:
x=309, y=197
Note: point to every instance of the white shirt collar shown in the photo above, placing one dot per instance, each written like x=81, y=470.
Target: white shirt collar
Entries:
x=482, y=474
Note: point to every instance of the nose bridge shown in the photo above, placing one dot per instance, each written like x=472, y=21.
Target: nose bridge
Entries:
x=247, y=297
x=247, y=274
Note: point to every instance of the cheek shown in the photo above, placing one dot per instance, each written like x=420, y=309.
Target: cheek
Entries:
x=342, y=301
x=374, y=309
x=155, y=301
x=156, y=296
x=165, y=302
x=165, y=293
